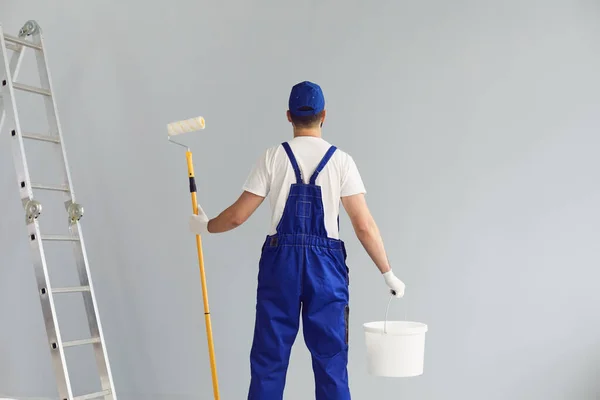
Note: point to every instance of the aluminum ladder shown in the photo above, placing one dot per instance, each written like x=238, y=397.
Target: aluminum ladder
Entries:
x=30, y=37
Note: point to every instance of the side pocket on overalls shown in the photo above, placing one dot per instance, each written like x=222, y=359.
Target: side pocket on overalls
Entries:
x=346, y=321
x=346, y=265
x=264, y=259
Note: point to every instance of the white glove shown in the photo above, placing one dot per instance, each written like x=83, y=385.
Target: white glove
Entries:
x=396, y=285
x=199, y=223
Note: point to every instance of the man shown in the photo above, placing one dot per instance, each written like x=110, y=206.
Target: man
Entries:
x=302, y=270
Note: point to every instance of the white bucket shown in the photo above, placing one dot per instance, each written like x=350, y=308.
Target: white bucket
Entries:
x=395, y=348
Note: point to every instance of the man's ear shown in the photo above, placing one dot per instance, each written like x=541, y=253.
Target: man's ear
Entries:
x=289, y=116
x=323, y=117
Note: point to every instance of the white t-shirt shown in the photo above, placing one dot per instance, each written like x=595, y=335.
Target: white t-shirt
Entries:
x=273, y=175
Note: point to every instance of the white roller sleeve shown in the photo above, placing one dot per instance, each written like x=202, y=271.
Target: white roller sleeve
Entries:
x=188, y=125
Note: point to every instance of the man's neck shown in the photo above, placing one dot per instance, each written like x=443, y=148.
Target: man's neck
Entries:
x=313, y=132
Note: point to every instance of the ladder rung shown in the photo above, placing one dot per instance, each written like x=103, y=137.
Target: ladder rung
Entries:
x=43, y=138
x=13, y=47
x=61, y=188
x=60, y=238
x=22, y=42
x=92, y=396
x=73, y=289
x=31, y=89
x=81, y=342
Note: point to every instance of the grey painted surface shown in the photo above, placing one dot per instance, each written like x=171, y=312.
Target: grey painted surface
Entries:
x=474, y=125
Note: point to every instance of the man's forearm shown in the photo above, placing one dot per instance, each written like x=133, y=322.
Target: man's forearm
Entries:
x=236, y=214
x=371, y=240
x=224, y=222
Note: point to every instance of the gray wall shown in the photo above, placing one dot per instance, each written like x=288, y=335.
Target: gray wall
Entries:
x=475, y=127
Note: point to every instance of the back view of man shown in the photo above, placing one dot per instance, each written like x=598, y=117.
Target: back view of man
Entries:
x=302, y=270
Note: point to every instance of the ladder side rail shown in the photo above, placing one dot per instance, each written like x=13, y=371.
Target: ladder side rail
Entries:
x=83, y=269
x=13, y=127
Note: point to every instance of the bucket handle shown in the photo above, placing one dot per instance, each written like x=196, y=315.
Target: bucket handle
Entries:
x=388, y=309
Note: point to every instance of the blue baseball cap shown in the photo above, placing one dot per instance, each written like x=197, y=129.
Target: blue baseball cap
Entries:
x=306, y=99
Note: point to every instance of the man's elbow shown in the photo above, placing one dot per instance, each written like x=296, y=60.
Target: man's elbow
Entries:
x=237, y=220
x=362, y=228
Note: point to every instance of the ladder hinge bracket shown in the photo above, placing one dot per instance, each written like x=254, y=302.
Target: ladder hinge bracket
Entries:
x=31, y=27
x=33, y=209
x=75, y=211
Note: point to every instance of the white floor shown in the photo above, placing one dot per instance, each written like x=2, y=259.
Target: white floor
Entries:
x=25, y=398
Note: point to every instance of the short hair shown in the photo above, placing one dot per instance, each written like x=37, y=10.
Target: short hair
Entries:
x=306, y=121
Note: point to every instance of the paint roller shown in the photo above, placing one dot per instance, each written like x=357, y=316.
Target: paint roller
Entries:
x=174, y=129
x=186, y=126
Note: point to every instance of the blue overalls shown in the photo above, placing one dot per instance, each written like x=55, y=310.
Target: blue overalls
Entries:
x=301, y=271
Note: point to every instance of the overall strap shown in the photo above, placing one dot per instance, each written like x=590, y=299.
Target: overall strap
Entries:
x=292, y=158
x=322, y=164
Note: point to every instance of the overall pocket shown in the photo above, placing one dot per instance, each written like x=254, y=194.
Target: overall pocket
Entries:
x=346, y=322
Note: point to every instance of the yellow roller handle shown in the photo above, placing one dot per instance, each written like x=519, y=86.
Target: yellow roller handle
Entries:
x=211, y=349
